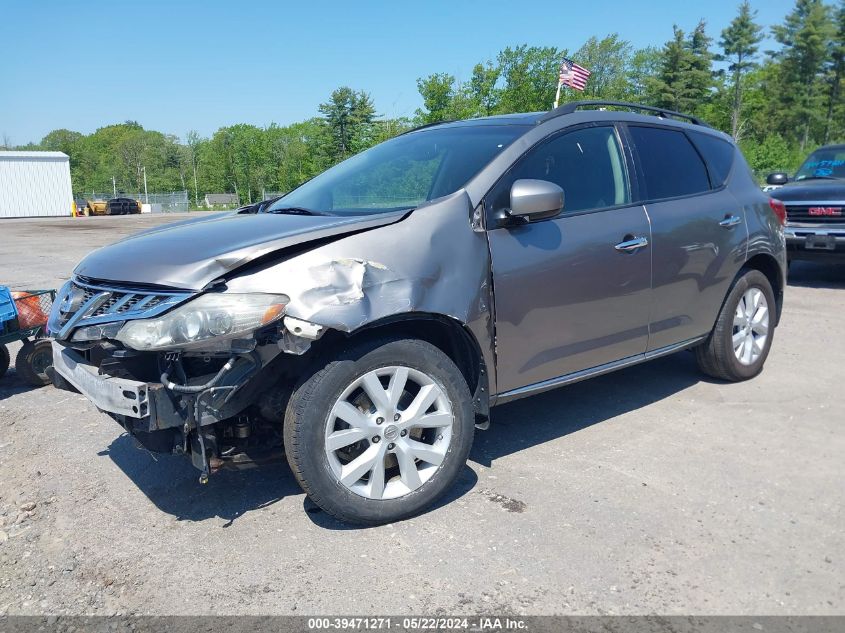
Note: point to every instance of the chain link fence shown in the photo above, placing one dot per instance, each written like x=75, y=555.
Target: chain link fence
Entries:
x=170, y=202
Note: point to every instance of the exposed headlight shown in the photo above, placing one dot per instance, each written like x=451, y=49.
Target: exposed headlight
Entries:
x=211, y=322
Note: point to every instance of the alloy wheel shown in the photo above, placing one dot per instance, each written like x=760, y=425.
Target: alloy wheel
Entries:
x=750, y=326
x=388, y=432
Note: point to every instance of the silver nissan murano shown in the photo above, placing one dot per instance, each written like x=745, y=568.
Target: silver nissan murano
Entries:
x=365, y=322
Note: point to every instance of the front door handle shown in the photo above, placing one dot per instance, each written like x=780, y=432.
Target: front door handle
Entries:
x=632, y=244
x=730, y=221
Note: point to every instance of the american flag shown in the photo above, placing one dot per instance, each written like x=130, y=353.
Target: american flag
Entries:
x=573, y=75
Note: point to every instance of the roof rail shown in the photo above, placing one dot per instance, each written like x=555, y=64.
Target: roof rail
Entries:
x=572, y=106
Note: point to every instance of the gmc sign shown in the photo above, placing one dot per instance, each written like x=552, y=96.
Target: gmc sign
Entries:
x=826, y=211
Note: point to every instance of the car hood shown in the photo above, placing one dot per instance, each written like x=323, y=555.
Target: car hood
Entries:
x=188, y=255
x=811, y=191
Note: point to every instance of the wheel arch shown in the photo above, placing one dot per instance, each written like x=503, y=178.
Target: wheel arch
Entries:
x=446, y=333
x=768, y=265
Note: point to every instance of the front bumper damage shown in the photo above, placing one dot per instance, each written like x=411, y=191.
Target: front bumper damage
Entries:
x=148, y=406
x=118, y=396
x=213, y=418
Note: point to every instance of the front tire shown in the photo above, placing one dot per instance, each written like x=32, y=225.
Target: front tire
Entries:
x=739, y=344
x=381, y=431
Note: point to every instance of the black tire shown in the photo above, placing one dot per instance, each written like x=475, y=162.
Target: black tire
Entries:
x=716, y=355
x=311, y=402
x=5, y=359
x=32, y=361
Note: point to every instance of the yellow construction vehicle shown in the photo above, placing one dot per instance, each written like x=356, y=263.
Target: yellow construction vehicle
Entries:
x=115, y=206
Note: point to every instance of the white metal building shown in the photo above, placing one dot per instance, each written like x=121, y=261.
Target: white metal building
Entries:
x=34, y=184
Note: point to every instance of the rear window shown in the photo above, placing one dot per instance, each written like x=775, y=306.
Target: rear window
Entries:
x=671, y=165
x=718, y=153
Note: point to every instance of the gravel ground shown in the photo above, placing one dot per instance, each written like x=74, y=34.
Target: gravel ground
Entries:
x=650, y=490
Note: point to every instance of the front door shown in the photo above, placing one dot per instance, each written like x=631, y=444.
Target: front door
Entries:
x=572, y=292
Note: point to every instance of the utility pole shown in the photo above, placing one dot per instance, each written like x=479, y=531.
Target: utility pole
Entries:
x=114, y=186
x=146, y=196
x=196, y=188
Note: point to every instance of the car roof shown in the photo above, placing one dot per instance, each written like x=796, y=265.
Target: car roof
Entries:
x=572, y=113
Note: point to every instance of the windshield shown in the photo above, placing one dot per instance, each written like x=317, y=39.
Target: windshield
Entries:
x=823, y=163
x=403, y=172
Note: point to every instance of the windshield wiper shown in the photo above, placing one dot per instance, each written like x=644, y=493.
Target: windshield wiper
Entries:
x=296, y=211
x=817, y=178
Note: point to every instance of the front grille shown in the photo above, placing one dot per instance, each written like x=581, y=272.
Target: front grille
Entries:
x=81, y=304
x=118, y=301
x=816, y=214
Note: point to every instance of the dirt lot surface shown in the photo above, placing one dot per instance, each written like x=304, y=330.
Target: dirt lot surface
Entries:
x=650, y=490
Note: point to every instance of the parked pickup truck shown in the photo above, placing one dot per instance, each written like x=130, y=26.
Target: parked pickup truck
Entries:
x=815, y=205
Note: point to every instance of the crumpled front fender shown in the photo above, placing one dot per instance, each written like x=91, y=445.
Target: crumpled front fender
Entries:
x=432, y=262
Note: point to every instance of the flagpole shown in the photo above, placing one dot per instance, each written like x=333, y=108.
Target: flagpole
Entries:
x=557, y=94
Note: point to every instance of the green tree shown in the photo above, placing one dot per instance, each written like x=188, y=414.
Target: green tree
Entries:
x=835, y=117
x=772, y=153
x=643, y=68
x=530, y=75
x=739, y=44
x=608, y=59
x=686, y=77
x=667, y=86
x=438, y=94
x=805, y=38
x=349, y=115
x=66, y=141
x=699, y=70
x=193, y=142
x=482, y=88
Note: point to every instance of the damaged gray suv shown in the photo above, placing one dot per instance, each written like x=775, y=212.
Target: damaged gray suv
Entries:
x=366, y=322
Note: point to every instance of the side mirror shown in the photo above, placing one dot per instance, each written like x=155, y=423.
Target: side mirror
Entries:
x=777, y=178
x=535, y=199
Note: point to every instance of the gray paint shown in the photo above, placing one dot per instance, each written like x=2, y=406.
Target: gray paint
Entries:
x=191, y=255
x=694, y=261
x=432, y=262
x=565, y=300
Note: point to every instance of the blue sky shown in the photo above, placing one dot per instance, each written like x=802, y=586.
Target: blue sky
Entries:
x=175, y=66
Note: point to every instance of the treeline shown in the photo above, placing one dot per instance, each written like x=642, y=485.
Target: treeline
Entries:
x=778, y=104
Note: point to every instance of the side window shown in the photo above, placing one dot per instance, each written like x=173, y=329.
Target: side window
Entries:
x=718, y=153
x=671, y=165
x=587, y=164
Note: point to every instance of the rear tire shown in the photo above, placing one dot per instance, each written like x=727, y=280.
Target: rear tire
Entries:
x=421, y=446
x=32, y=361
x=739, y=344
x=5, y=359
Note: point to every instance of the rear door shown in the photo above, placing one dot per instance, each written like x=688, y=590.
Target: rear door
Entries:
x=699, y=235
x=566, y=299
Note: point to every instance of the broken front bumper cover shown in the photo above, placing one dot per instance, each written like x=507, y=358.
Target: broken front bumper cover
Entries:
x=139, y=406
x=120, y=396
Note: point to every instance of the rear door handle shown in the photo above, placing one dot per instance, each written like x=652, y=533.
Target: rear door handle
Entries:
x=730, y=221
x=632, y=244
